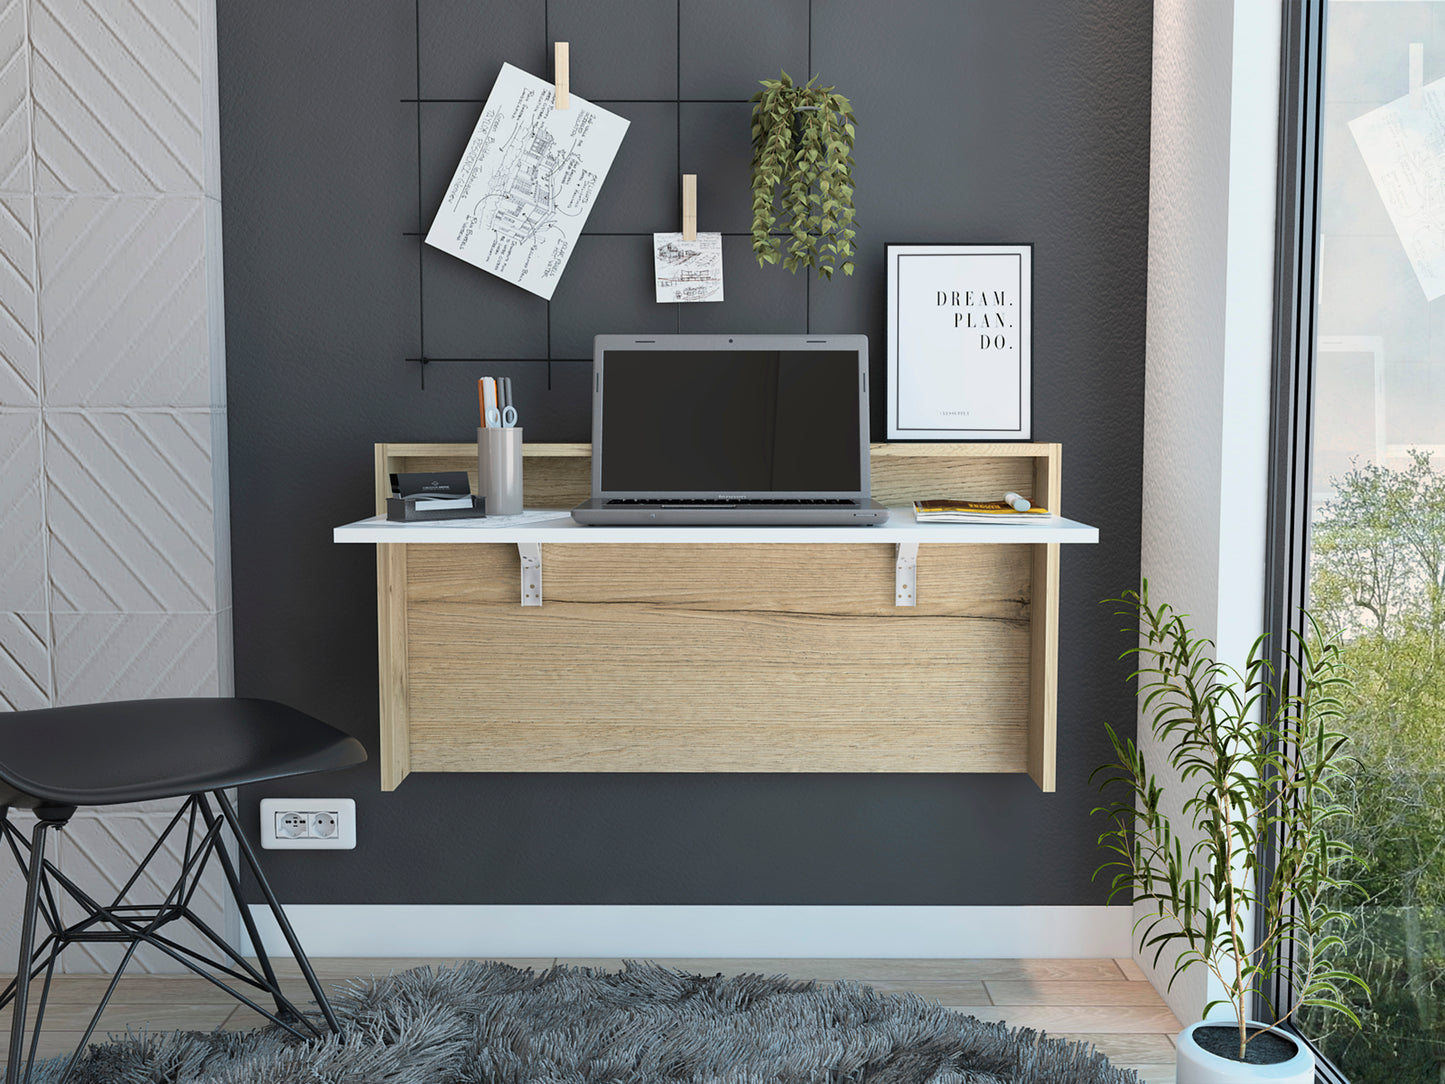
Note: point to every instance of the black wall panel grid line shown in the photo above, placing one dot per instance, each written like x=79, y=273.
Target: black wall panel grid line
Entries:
x=978, y=119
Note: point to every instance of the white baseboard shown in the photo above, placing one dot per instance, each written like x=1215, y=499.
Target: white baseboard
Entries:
x=642, y=932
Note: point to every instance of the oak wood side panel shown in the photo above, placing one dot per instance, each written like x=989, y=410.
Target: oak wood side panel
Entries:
x=381, y=481
x=1044, y=675
x=1044, y=634
x=391, y=631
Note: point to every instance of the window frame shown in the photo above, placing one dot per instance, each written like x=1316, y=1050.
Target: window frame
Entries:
x=1293, y=386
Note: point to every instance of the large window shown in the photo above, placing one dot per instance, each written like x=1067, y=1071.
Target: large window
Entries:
x=1367, y=515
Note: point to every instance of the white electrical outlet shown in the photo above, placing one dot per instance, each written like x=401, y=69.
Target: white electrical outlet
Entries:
x=319, y=824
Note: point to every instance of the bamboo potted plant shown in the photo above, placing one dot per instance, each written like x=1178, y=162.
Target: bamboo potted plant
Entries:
x=803, y=145
x=1258, y=754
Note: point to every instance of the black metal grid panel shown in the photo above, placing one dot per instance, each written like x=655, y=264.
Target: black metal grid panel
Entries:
x=681, y=72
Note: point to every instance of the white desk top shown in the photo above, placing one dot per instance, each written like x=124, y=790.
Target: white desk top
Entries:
x=557, y=525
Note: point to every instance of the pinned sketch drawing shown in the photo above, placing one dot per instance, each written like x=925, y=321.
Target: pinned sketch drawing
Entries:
x=1400, y=144
x=526, y=183
x=688, y=270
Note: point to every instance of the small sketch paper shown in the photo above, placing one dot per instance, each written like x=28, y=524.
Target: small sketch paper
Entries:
x=1401, y=147
x=688, y=270
x=526, y=183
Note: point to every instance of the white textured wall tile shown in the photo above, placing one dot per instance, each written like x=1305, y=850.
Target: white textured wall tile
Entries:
x=156, y=807
x=24, y=663
x=226, y=651
x=118, y=96
x=101, y=657
x=215, y=303
x=22, y=534
x=100, y=851
x=221, y=505
x=110, y=322
x=130, y=511
x=210, y=88
x=14, y=98
x=19, y=355
x=123, y=307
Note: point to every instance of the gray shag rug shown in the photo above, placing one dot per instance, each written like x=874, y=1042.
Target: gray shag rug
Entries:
x=488, y=1023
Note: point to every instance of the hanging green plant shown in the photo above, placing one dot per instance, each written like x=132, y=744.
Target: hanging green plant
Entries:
x=803, y=144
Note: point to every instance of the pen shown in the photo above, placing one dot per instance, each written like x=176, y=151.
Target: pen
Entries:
x=491, y=417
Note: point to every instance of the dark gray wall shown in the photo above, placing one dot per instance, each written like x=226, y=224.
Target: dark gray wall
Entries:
x=989, y=120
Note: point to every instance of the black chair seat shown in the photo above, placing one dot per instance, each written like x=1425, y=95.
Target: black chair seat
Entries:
x=139, y=750
x=55, y=760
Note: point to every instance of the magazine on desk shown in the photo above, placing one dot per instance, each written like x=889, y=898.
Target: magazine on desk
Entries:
x=940, y=511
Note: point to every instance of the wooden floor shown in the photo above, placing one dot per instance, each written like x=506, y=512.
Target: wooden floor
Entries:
x=1106, y=1002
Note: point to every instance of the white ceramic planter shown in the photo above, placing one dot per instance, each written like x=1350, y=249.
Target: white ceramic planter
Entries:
x=1195, y=1065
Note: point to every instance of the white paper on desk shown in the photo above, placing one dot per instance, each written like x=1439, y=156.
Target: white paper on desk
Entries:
x=1401, y=147
x=526, y=182
x=688, y=270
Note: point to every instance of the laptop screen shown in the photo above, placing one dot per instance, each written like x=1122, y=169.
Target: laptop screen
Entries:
x=730, y=421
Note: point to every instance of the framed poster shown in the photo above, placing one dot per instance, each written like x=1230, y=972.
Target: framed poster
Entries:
x=959, y=323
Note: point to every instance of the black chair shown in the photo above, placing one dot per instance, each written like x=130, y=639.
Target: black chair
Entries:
x=55, y=760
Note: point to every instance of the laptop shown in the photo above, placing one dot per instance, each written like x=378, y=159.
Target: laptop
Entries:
x=747, y=430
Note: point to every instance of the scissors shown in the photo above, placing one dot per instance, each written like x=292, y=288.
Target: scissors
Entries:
x=507, y=413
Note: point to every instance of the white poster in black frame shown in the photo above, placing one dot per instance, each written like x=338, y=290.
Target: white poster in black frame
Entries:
x=960, y=341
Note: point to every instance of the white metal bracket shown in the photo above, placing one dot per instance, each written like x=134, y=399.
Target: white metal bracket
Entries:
x=906, y=574
x=531, y=555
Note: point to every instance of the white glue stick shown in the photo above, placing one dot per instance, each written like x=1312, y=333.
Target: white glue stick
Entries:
x=1020, y=504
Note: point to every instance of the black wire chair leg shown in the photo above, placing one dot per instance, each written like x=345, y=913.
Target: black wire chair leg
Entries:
x=99, y=1011
x=40, y=1019
x=36, y=874
x=292, y=940
x=233, y=878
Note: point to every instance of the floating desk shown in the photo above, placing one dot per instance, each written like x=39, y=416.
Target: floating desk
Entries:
x=533, y=643
x=534, y=527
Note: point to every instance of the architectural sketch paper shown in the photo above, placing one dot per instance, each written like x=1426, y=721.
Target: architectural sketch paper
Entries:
x=688, y=270
x=526, y=183
x=1400, y=145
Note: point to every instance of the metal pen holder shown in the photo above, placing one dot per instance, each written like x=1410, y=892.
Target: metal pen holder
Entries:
x=499, y=470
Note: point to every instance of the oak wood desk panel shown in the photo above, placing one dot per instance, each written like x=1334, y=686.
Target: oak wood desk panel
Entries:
x=743, y=656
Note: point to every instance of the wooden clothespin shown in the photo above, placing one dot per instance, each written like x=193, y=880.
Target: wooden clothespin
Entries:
x=560, y=78
x=1417, y=75
x=689, y=206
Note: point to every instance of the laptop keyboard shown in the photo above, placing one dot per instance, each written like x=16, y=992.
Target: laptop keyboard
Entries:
x=716, y=502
